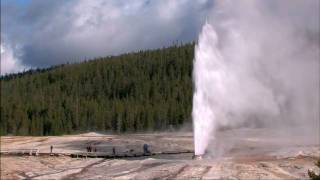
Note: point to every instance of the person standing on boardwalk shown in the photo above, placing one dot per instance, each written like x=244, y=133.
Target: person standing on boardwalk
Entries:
x=114, y=151
x=146, y=150
x=51, y=149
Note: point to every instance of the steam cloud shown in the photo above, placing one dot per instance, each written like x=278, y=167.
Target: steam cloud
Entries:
x=9, y=61
x=257, y=64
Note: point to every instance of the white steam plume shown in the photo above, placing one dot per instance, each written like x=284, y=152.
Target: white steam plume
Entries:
x=257, y=64
x=10, y=63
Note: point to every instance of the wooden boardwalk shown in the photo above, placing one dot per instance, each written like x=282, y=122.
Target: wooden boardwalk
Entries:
x=106, y=155
x=20, y=152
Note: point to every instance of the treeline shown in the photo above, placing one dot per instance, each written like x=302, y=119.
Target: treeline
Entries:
x=146, y=90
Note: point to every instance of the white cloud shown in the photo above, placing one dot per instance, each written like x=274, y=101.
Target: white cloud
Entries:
x=9, y=62
x=70, y=31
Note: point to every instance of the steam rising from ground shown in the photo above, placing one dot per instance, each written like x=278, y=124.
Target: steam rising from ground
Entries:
x=257, y=65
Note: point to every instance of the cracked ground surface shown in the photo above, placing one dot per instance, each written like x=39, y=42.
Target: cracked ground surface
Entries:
x=251, y=156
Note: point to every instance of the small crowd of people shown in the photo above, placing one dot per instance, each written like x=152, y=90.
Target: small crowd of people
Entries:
x=91, y=149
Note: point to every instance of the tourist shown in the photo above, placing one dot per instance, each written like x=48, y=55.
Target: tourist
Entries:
x=146, y=149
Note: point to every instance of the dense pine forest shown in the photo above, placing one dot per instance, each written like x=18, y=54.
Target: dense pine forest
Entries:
x=142, y=91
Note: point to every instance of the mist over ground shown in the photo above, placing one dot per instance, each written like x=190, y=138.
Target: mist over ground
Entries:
x=257, y=66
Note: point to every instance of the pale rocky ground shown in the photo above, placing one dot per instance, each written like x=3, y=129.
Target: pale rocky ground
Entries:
x=236, y=154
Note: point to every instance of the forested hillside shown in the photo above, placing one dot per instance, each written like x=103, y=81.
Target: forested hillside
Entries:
x=146, y=90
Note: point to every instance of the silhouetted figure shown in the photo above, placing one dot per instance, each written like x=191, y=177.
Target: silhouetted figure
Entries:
x=146, y=149
x=95, y=149
x=51, y=149
x=114, y=151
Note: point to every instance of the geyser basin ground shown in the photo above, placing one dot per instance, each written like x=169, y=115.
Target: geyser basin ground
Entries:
x=251, y=154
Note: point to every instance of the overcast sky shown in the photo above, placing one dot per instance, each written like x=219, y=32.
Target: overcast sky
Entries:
x=40, y=33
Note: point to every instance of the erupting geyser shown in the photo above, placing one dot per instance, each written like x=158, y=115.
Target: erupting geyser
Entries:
x=256, y=66
x=205, y=72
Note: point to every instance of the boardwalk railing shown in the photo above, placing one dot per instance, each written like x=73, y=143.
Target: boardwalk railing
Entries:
x=30, y=152
x=35, y=152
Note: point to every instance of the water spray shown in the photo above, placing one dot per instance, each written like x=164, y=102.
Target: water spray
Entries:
x=249, y=74
x=204, y=74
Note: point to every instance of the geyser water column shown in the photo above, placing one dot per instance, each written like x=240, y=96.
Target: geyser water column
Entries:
x=256, y=66
x=207, y=69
